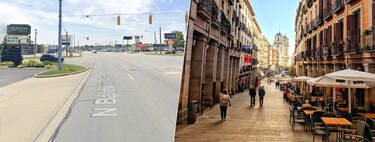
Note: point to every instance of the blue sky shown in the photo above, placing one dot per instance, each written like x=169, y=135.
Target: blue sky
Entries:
x=43, y=15
x=273, y=15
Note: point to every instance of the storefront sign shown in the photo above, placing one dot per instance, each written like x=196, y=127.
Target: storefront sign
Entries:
x=18, y=29
x=18, y=39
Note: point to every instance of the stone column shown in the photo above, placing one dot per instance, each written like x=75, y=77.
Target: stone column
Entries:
x=226, y=69
x=303, y=70
x=352, y=66
x=196, y=72
x=230, y=76
x=337, y=67
x=370, y=68
x=309, y=70
x=210, y=75
x=327, y=69
x=320, y=69
x=219, y=73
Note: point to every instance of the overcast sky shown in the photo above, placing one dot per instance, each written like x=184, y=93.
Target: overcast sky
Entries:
x=43, y=16
x=273, y=15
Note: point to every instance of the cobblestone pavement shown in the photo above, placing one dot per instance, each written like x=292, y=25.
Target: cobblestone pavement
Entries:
x=245, y=123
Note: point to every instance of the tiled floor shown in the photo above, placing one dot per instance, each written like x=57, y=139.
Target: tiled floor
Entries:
x=245, y=123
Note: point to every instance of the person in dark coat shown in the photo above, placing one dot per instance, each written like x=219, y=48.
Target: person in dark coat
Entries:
x=252, y=94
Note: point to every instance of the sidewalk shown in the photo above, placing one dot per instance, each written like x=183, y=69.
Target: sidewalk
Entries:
x=245, y=123
x=35, y=105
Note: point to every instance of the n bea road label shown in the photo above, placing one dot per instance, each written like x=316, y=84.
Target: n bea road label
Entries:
x=108, y=98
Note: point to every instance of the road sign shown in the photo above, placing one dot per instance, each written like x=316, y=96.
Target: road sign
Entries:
x=65, y=41
x=18, y=29
x=18, y=39
x=128, y=38
x=170, y=35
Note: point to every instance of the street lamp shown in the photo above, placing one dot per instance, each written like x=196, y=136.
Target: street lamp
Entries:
x=35, y=46
x=155, y=39
x=59, y=36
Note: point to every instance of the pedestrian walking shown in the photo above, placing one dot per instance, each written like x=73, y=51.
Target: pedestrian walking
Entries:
x=252, y=94
x=224, y=101
x=261, y=94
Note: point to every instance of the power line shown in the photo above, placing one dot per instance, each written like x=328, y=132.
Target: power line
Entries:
x=117, y=14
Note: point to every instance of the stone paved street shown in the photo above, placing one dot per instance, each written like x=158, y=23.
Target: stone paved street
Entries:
x=245, y=123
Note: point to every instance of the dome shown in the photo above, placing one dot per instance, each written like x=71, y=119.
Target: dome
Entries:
x=278, y=34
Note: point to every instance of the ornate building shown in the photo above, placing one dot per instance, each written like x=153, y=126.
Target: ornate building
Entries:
x=281, y=49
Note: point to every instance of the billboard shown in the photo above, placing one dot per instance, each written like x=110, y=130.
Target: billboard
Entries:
x=128, y=38
x=170, y=36
x=18, y=29
x=118, y=45
x=18, y=39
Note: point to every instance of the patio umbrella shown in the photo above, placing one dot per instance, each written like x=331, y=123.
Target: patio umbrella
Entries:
x=301, y=79
x=347, y=79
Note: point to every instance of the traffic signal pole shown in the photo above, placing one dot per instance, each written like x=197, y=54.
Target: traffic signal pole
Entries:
x=160, y=40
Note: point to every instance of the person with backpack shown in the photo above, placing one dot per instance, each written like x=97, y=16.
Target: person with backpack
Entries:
x=224, y=101
x=252, y=94
x=261, y=94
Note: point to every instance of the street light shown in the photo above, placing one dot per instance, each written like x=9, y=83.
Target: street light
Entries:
x=59, y=36
x=154, y=37
x=35, y=47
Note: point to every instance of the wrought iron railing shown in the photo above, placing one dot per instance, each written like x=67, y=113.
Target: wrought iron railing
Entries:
x=205, y=5
x=318, y=19
x=338, y=6
x=369, y=43
x=318, y=52
x=353, y=45
x=327, y=12
x=337, y=49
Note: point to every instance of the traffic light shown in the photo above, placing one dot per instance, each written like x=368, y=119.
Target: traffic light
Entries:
x=118, y=20
x=150, y=19
x=186, y=18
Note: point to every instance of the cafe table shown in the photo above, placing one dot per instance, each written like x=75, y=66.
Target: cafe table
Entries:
x=332, y=121
x=343, y=108
x=308, y=114
x=368, y=115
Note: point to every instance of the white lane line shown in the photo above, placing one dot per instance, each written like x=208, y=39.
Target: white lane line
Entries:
x=130, y=77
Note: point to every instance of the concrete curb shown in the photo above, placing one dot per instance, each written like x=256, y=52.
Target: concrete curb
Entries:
x=58, y=75
x=60, y=113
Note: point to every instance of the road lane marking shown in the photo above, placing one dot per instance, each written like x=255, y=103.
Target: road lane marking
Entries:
x=130, y=77
x=174, y=76
x=104, y=112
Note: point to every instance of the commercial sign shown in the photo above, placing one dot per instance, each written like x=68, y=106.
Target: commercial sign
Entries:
x=170, y=35
x=246, y=47
x=18, y=29
x=18, y=39
x=118, y=45
x=128, y=38
x=65, y=40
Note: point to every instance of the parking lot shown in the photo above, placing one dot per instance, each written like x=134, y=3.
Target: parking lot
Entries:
x=8, y=76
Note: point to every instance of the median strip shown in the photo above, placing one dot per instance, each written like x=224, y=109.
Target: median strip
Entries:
x=67, y=69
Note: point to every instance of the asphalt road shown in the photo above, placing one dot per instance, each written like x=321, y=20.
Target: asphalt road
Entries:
x=127, y=98
x=9, y=76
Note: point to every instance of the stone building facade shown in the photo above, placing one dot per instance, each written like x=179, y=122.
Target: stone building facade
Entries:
x=219, y=38
x=332, y=35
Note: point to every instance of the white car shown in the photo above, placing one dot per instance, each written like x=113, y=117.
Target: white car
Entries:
x=94, y=51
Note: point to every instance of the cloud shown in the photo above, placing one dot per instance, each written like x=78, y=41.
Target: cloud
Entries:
x=43, y=15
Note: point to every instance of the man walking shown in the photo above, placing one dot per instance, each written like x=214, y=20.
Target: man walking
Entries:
x=252, y=94
x=261, y=95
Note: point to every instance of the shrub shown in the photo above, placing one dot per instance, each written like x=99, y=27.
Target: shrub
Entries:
x=3, y=63
x=49, y=66
x=30, y=63
x=39, y=65
x=20, y=66
x=47, y=63
x=10, y=64
x=24, y=63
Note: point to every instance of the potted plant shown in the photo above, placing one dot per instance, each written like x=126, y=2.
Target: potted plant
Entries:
x=215, y=10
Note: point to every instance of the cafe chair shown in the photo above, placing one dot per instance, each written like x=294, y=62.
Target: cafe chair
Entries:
x=316, y=119
x=371, y=124
x=298, y=118
x=361, y=133
x=320, y=131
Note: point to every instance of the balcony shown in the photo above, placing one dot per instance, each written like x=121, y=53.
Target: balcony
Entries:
x=299, y=56
x=318, y=52
x=353, y=45
x=313, y=24
x=337, y=49
x=309, y=3
x=369, y=43
x=231, y=2
x=204, y=9
x=312, y=53
x=309, y=27
x=307, y=53
x=304, y=33
x=327, y=13
x=245, y=68
x=243, y=26
x=318, y=19
x=225, y=24
x=349, y=1
x=338, y=6
x=326, y=51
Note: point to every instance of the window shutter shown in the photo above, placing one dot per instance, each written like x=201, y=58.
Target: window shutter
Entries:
x=336, y=32
x=329, y=34
x=350, y=25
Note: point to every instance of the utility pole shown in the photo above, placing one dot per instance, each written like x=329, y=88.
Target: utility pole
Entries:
x=67, y=46
x=155, y=40
x=35, y=46
x=160, y=40
x=59, y=36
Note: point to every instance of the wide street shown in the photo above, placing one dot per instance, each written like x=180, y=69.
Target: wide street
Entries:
x=128, y=97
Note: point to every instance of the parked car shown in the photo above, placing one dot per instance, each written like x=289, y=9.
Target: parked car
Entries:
x=94, y=51
x=51, y=58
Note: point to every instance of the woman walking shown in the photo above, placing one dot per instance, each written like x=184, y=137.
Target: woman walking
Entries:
x=224, y=101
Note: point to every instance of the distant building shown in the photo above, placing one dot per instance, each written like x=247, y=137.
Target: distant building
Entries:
x=281, y=49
